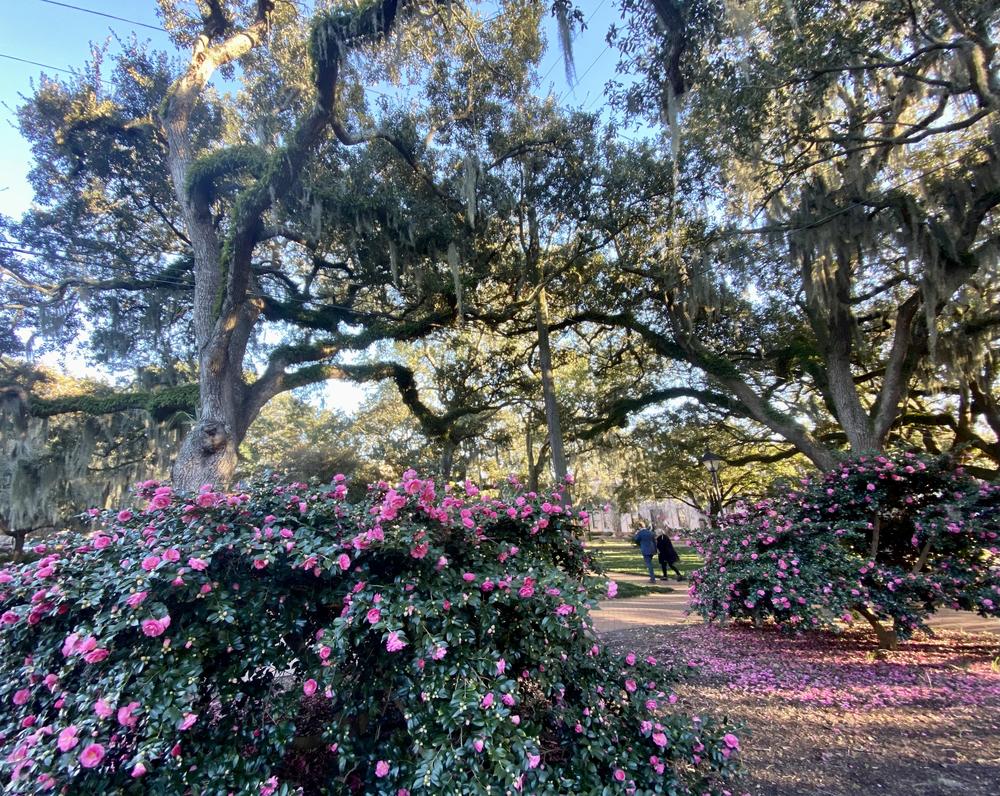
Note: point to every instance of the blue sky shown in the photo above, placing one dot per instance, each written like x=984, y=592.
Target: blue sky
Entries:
x=61, y=37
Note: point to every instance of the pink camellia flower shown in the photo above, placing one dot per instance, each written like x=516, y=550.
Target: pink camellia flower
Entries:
x=619, y=775
x=508, y=700
x=153, y=627
x=501, y=666
x=468, y=577
x=21, y=697
x=136, y=599
x=260, y=563
x=124, y=515
x=8, y=618
x=439, y=652
x=487, y=701
x=612, y=589
x=309, y=687
x=344, y=561
x=125, y=717
x=95, y=656
x=565, y=609
x=630, y=686
x=381, y=768
x=269, y=786
x=100, y=542
x=630, y=659
x=660, y=739
x=188, y=720
x=103, y=709
x=731, y=741
x=138, y=770
x=198, y=564
x=67, y=738
x=393, y=642
x=92, y=756
x=478, y=744
x=534, y=760
x=171, y=555
x=149, y=563
x=373, y=615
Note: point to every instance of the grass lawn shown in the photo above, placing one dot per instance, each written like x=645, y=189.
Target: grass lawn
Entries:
x=621, y=555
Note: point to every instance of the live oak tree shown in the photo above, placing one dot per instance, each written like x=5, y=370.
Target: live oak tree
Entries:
x=852, y=151
x=195, y=226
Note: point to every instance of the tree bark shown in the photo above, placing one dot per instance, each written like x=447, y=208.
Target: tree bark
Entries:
x=887, y=639
x=552, y=419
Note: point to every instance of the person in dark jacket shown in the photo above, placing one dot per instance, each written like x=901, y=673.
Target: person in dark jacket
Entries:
x=668, y=556
x=646, y=540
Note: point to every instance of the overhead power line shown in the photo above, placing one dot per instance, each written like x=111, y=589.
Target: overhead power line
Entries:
x=44, y=66
x=102, y=14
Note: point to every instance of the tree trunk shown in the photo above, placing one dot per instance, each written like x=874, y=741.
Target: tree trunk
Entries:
x=17, y=554
x=552, y=420
x=887, y=639
x=447, y=459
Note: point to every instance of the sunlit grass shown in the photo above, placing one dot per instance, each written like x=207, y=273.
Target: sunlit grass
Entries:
x=623, y=556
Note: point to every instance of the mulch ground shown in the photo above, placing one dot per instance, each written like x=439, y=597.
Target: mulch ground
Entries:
x=831, y=715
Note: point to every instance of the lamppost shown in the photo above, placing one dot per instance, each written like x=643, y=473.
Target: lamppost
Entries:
x=713, y=463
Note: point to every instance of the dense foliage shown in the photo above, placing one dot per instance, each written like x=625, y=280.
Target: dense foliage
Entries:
x=890, y=537
x=283, y=637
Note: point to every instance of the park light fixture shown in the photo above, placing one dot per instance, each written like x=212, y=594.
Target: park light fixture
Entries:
x=712, y=461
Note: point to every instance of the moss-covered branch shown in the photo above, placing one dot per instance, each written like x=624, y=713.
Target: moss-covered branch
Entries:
x=161, y=404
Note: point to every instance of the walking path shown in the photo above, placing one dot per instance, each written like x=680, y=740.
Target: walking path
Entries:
x=669, y=609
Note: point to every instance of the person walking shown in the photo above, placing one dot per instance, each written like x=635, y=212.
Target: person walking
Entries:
x=668, y=555
x=646, y=540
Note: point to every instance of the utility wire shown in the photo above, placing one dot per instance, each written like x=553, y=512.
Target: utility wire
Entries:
x=45, y=66
x=102, y=14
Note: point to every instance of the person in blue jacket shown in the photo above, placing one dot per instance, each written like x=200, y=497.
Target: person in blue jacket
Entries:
x=646, y=540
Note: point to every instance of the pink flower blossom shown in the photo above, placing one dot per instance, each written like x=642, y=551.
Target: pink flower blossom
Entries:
x=188, y=720
x=487, y=701
x=67, y=738
x=309, y=687
x=468, y=577
x=92, y=756
x=344, y=561
x=501, y=666
x=21, y=696
x=478, y=744
x=381, y=768
x=136, y=599
x=612, y=589
x=731, y=741
x=96, y=656
x=660, y=739
x=619, y=775
x=149, y=563
x=125, y=717
x=373, y=615
x=393, y=642
x=124, y=515
x=103, y=709
x=138, y=770
x=155, y=627
x=198, y=564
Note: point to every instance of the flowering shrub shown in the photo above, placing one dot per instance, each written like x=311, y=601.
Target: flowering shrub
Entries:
x=891, y=537
x=283, y=639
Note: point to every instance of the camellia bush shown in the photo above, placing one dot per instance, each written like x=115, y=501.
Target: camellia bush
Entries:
x=283, y=639
x=890, y=538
